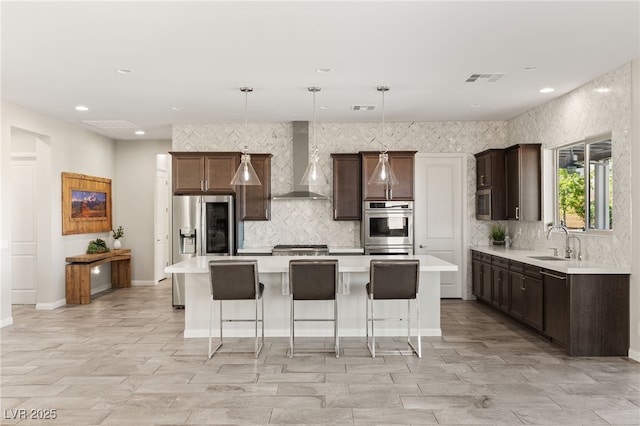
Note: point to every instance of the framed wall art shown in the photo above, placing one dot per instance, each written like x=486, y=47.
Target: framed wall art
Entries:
x=86, y=204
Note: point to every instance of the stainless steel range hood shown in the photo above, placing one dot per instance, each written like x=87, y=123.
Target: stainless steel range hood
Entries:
x=300, y=163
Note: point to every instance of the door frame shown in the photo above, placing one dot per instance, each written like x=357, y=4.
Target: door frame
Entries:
x=465, y=291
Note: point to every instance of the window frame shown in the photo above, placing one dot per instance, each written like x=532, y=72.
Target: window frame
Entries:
x=602, y=137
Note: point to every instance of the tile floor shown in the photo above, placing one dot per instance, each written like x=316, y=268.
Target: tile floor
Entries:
x=122, y=361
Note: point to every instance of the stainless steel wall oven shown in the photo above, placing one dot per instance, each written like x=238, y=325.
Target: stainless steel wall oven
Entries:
x=388, y=227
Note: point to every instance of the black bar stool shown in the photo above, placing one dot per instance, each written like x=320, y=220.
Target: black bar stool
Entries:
x=236, y=280
x=393, y=279
x=313, y=280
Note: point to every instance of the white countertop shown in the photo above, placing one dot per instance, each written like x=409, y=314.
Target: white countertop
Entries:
x=280, y=264
x=568, y=266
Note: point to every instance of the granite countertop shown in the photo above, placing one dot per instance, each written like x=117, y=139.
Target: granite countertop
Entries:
x=567, y=266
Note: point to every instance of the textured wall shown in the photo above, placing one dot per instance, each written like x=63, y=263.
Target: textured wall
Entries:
x=579, y=114
x=297, y=222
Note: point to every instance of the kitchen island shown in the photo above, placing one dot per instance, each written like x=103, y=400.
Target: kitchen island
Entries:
x=274, y=271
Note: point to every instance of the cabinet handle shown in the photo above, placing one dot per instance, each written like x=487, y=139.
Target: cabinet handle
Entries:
x=553, y=275
x=202, y=185
x=517, y=213
x=206, y=185
x=481, y=180
x=335, y=213
x=523, y=287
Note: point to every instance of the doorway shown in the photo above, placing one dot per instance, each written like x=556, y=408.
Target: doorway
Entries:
x=161, y=223
x=439, y=225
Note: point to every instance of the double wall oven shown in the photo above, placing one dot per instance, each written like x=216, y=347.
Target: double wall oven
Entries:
x=388, y=227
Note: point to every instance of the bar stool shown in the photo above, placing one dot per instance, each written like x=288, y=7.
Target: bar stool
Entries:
x=236, y=280
x=313, y=280
x=393, y=279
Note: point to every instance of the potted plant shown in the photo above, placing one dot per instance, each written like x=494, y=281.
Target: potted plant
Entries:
x=117, y=234
x=97, y=246
x=498, y=234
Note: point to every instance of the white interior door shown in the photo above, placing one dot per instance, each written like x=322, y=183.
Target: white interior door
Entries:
x=439, y=225
x=24, y=262
x=161, y=245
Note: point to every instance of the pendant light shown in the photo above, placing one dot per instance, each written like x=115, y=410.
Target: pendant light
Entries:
x=314, y=175
x=383, y=174
x=245, y=175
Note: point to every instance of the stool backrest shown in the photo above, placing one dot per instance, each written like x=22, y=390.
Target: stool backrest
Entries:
x=313, y=279
x=394, y=279
x=233, y=279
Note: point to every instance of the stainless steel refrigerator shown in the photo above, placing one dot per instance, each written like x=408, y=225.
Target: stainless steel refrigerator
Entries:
x=202, y=225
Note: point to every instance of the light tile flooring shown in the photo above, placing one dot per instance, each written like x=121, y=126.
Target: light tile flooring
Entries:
x=122, y=360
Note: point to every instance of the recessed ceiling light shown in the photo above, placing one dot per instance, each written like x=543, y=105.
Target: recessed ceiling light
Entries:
x=124, y=71
x=177, y=108
x=530, y=68
x=474, y=105
x=324, y=106
x=82, y=108
x=323, y=70
x=139, y=132
x=603, y=89
x=547, y=90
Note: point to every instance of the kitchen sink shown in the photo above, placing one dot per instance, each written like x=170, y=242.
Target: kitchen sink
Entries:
x=546, y=258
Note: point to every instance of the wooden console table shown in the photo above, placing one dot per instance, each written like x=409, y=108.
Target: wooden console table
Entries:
x=78, y=273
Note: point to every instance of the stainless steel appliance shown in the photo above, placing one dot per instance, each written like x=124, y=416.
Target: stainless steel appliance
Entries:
x=203, y=225
x=300, y=250
x=388, y=227
x=483, y=204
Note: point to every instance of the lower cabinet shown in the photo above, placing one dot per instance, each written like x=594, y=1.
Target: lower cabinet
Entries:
x=587, y=314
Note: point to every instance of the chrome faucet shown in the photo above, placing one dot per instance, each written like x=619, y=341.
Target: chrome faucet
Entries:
x=567, y=249
x=579, y=256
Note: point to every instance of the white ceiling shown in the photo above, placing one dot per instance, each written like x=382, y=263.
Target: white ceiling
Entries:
x=196, y=56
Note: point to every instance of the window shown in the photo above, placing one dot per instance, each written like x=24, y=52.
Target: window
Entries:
x=585, y=185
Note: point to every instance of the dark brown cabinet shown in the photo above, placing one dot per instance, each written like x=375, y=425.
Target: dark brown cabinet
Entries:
x=402, y=163
x=255, y=200
x=490, y=185
x=347, y=187
x=204, y=173
x=587, y=314
x=556, y=307
x=523, y=187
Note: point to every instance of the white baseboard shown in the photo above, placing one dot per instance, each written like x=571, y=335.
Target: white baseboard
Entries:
x=6, y=322
x=51, y=306
x=634, y=355
x=146, y=283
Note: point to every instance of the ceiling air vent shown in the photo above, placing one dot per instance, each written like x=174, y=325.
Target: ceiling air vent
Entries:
x=362, y=107
x=111, y=124
x=490, y=78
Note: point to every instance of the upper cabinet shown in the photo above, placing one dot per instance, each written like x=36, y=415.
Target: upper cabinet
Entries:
x=402, y=164
x=490, y=185
x=347, y=187
x=204, y=172
x=522, y=164
x=508, y=183
x=255, y=200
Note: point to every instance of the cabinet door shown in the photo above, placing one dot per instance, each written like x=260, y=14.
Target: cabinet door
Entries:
x=487, y=278
x=516, y=283
x=483, y=170
x=402, y=163
x=219, y=169
x=347, y=187
x=255, y=200
x=505, y=291
x=476, y=267
x=187, y=173
x=523, y=185
x=533, y=302
x=496, y=281
x=556, y=306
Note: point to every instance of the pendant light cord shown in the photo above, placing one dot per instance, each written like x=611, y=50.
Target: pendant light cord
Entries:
x=383, y=89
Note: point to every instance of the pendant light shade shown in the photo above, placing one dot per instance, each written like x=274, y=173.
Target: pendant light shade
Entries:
x=245, y=175
x=314, y=175
x=383, y=174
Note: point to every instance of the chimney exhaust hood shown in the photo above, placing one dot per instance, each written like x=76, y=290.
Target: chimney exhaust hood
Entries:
x=300, y=162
